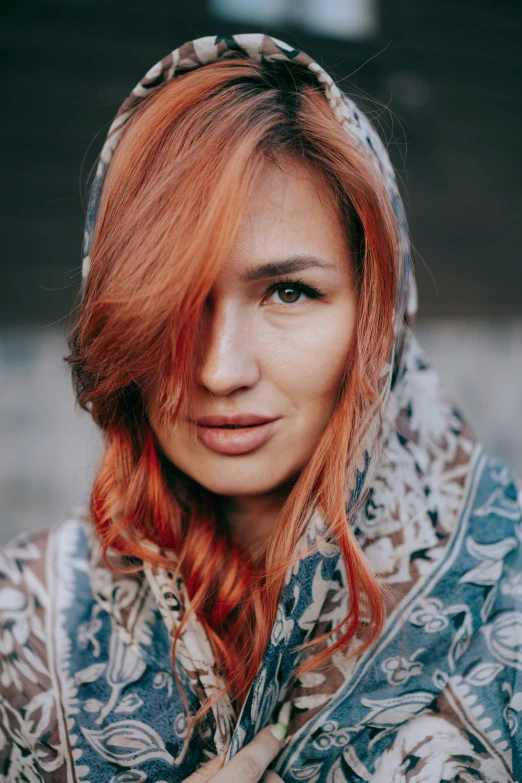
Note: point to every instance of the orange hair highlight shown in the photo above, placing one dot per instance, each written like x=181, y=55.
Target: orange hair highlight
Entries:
x=171, y=204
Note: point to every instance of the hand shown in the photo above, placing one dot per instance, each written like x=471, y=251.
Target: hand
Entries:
x=247, y=766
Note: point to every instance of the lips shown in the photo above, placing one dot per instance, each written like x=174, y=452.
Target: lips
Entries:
x=234, y=435
x=236, y=420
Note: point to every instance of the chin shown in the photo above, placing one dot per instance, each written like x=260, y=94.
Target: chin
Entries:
x=237, y=477
x=231, y=486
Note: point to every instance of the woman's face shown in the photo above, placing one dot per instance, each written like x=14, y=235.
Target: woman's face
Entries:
x=278, y=329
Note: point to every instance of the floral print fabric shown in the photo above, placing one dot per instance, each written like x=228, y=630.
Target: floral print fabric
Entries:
x=87, y=691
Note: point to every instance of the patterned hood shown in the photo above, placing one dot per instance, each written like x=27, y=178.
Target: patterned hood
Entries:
x=421, y=490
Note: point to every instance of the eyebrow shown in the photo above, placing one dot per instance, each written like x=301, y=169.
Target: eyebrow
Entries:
x=284, y=267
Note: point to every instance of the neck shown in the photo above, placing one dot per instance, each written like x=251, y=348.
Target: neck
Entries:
x=252, y=518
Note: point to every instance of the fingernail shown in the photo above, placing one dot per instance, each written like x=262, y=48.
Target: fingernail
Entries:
x=279, y=731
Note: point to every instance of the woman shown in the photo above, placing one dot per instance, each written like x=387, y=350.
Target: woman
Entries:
x=291, y=523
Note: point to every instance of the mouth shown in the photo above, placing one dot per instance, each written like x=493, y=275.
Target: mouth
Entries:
x=235, y=435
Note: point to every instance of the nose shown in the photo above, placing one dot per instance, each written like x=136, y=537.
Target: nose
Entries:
x=228, y=361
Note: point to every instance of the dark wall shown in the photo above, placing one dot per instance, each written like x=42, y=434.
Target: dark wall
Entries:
x=446, y=77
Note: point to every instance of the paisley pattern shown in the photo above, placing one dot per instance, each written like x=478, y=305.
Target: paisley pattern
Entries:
x=87, y=688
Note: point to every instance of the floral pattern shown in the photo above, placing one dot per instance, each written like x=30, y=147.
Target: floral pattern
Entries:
x=87, y=688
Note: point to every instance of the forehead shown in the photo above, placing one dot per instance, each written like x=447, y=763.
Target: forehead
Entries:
x=291, y=212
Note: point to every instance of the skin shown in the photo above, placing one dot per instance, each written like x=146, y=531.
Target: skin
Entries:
x=247, y=766
x=280, y=353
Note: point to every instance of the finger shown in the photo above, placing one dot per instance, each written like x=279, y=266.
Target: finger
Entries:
x=205, y=772
x=251, y=762
x=271, y=777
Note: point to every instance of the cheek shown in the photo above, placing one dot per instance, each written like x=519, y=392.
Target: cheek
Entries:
x=307, y=360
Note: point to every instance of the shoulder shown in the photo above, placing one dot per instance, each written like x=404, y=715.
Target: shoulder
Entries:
x=31, y=581
x=464, y=633
x=476, y=714
x=476, y=586
x=490, y=534
x=32, y=591
x=30, y=561
x=498, y=488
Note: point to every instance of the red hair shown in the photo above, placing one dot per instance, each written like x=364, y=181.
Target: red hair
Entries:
x=171, y=203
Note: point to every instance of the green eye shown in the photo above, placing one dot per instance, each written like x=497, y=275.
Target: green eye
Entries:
x=289, y=294
x=290, y=291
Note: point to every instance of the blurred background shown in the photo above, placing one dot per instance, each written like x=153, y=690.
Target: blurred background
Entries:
x=441, y=80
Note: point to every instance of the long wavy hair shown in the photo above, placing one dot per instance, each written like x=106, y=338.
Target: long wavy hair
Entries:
x=171, y=204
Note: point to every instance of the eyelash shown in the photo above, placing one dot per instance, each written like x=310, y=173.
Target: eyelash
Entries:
x=299, y=285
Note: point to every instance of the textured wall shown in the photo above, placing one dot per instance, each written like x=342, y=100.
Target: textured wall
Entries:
x=444, y=75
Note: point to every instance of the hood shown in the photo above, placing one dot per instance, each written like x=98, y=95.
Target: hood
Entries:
x=413, y=483
x=258, y=47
